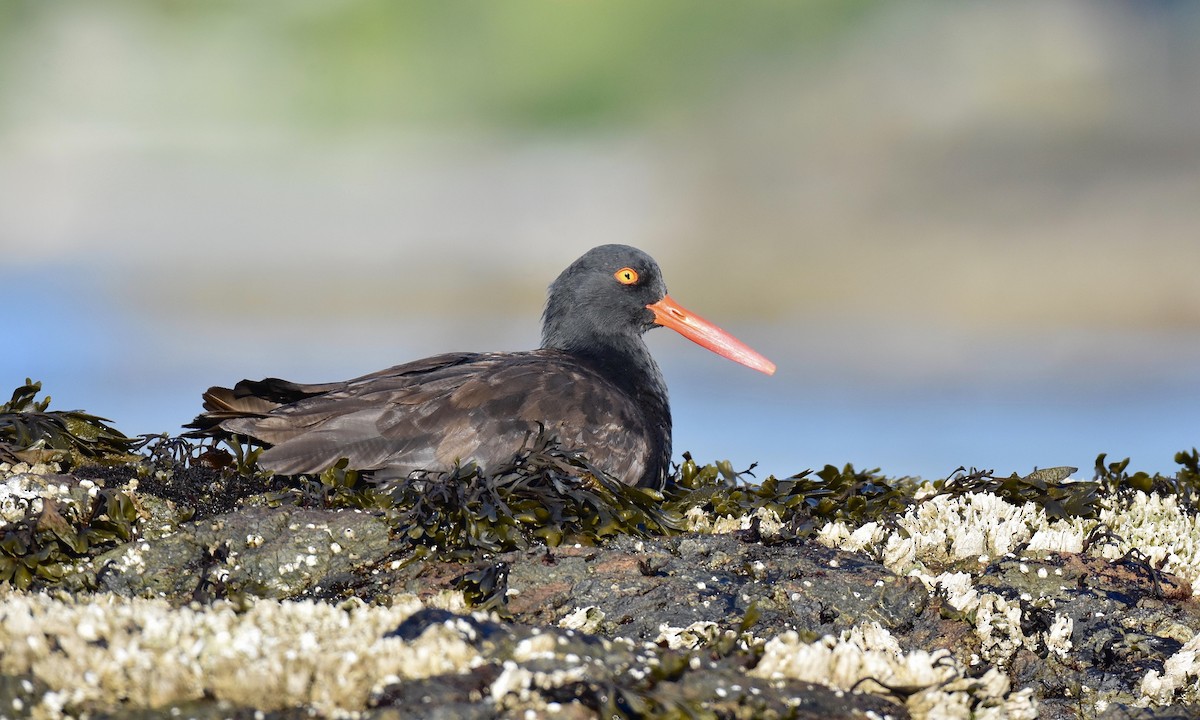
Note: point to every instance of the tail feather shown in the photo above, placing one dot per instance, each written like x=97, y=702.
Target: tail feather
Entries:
x=222, y=404
x=249, y=399
x=277, y=392
x=224, y=400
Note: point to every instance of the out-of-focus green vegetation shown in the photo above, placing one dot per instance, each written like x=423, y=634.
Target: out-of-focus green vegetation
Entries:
x=528, y=63
x=916, y=207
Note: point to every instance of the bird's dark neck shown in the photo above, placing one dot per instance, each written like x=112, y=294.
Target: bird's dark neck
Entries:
x=630, y=367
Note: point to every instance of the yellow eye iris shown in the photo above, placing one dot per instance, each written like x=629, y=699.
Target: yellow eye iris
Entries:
x=626, y=276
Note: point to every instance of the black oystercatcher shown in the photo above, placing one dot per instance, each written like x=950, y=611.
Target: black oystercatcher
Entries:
x=592, y=384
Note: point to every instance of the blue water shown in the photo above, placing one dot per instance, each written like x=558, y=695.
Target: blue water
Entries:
x=145, y=370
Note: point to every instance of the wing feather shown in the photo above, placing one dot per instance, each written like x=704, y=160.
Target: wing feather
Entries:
x=434, y=412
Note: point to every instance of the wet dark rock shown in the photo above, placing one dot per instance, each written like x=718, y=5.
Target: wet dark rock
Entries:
x=796, y=586
x=1128, y=619
x=477, y=630
x=445, y=696
x=1126, y=712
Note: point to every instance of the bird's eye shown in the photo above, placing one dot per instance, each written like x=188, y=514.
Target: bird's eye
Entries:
x=626, y=276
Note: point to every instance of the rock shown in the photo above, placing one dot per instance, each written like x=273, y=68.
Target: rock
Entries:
x=641, y=586
x=576, y=674
x=286, y=612
x=262, y=552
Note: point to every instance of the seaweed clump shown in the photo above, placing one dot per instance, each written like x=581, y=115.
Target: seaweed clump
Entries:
x=31, y=433
x=1115, y=479
x=546, y=494
x=808, y=500
x=56, y=533
x=803, y=502
x=201, y=480
x=47, y=532
x=1050, y=488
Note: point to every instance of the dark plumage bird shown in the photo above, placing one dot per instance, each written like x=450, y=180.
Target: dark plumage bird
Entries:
x=592, y=384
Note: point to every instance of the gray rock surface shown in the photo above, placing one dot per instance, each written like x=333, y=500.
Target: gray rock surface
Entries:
x=733, y=624
x=273, y=553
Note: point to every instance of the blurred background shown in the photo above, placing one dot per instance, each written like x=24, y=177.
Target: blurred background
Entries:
x=968, y=233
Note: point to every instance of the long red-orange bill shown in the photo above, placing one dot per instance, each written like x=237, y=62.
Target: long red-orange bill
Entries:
x=669, y=313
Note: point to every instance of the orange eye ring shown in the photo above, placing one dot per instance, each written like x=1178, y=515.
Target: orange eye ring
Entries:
x=626, y=276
